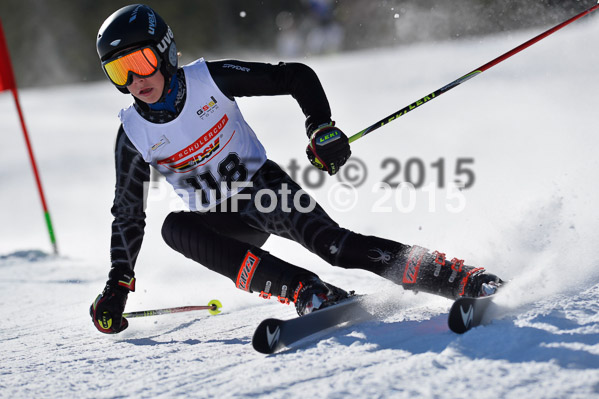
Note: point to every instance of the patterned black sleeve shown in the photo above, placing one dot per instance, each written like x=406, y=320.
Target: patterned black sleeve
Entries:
x=128, y=207
x=240, y=79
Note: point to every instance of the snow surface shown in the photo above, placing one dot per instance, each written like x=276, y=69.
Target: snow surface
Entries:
x=531, y=216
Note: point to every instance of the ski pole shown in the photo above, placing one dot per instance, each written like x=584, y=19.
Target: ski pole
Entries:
x=213, y=308
x=468, y=76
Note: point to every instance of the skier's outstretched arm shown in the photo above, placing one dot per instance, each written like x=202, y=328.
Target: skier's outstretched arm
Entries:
x=329, y=147
x=127, y=235
x=245, y=79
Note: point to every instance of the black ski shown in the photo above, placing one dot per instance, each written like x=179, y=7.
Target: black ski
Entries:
x=467, y=313
x=274, y=334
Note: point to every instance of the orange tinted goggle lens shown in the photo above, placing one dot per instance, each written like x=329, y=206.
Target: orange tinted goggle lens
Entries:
x=141, y=62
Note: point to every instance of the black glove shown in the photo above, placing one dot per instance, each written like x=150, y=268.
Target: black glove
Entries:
x=328, y=149
x=107, y=310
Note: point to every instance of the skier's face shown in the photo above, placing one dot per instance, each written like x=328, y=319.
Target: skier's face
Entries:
x=147, y=89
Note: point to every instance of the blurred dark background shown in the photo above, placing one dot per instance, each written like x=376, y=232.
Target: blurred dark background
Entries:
x=52, y=42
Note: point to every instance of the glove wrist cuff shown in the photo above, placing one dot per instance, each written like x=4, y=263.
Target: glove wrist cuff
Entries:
x=311, y=131
x=122, y=280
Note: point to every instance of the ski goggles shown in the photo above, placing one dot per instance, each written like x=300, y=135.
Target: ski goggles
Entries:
x=142, y=62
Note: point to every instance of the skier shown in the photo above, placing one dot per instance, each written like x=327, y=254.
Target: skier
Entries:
x=185, y=123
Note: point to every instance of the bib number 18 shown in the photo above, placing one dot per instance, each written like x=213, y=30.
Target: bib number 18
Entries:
x=230, y=170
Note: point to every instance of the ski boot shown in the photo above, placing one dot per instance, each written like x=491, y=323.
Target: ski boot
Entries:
x=482, y=284
x=419, y=270
x=315, y=294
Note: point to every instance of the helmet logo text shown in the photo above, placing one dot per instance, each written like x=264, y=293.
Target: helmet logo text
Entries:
x=151, y=22
x=166, y=40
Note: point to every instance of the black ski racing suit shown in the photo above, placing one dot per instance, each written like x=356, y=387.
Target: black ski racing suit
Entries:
x=229, y=242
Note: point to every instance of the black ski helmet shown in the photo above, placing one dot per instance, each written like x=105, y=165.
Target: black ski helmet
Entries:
x=138, y=25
